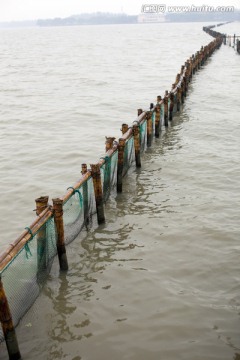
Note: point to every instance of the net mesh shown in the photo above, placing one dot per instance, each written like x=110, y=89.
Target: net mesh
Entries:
x=25, y=275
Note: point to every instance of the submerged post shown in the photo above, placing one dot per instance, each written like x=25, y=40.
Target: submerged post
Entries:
x=41, y=205
x=157, y=120
x=149, y=128
x=171, y=106
x=137, y=145
x=165, y=101
x=58, y=219
x=121, y=148
x=96, y=176
x=85, y=196
x=7, y=326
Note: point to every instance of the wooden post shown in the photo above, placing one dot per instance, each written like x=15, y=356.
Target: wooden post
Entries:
x=96, y=176
x=58, y=219
x=159, y=99
x=121, y=148
x=41, y=205
x=165, y=101
x=124, y=128
x=139, y=111
x=109, y=143
x=157, y=120
x=179, y=98
x=137, y=145
x=7, y=326
x=149, y=128
x=151, y=106
x=85, y=196
x=171, y=106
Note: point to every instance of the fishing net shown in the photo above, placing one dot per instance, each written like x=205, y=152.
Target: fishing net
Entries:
x=25, y=275
x=128, y=155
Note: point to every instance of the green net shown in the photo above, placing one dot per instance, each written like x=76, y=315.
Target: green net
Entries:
x=25, y=275
x=73, y=216
x=128, y=155
x=143, y=135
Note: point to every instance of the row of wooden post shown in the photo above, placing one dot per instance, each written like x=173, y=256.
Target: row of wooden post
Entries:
x=226, y=39
x=174, y=98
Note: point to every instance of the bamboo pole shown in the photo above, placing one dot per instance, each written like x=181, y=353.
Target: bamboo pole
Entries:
x=85, y=196
x=121, y=148
x=96, y=176
x=41, y=205
x=7, y=326
x=149, y=128
x=137, y=145
x=59, y=225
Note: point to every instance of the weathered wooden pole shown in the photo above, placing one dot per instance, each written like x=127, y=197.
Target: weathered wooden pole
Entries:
x=96, y=176
x=41, y=205
x=139, y=111
x=59, y=225
x=109, y=143
x=149, y=128
x=7, y=326
x=124, y=128
x=171, y=106
x=85, y=196
x=165, y=102
x=121, y=148
x=157, y=120
x=179, y=98
x=137, y=144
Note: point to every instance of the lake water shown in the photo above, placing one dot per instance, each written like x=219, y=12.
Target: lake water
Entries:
x=160, y=280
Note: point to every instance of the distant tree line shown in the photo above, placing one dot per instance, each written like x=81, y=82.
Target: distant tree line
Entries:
x=90, y=19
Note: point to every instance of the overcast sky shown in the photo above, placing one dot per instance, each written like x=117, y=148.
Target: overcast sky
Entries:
x=37, y=9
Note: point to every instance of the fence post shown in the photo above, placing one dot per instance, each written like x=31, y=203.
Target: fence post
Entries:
x=157, y=120
x=41, y=205
x=165, y=101
x=58, y=219
x=85, y=196
x=96, y=176
x=121, y=148
x=124, y=128
x=7, y=326
x=139, y=111
x=171, y=106
x=137, y=145
x=109, y=143
x=149, y=128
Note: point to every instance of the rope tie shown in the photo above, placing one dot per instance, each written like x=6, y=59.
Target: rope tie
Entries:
x=26, y=246
x=78, y=192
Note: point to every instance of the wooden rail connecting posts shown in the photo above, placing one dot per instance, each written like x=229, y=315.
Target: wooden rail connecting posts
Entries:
x=163, y=111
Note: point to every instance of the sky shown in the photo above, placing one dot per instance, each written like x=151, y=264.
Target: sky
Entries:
x=17, y=10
